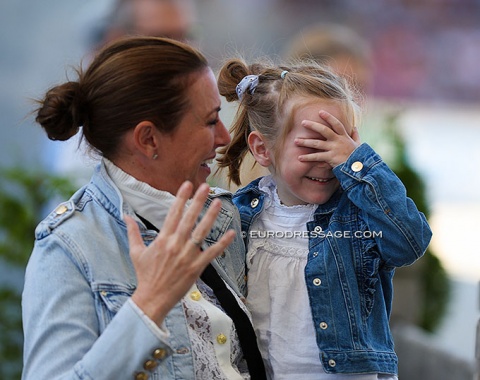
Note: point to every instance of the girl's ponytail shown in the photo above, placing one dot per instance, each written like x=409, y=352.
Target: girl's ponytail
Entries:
x=233, y=155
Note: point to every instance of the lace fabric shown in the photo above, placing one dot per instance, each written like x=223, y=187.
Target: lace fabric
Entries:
x=199, y=323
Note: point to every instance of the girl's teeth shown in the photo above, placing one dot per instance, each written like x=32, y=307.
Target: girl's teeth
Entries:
x=319, y=179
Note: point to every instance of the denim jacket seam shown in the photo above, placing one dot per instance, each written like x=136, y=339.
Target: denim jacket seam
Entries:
x=395, y=221
x=81, y=373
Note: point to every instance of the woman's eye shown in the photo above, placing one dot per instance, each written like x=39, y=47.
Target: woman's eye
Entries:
x=213, y=122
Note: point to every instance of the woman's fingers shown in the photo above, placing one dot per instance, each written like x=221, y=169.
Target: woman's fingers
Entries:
x=177, y=209
x=135, y=241
x=168, y=267
x=190, y=216
x=205, y=225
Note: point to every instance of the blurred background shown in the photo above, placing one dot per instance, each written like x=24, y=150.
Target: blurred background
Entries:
x=415, y=61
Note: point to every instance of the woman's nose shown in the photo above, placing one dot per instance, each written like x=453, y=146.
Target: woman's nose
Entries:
x=222, y=137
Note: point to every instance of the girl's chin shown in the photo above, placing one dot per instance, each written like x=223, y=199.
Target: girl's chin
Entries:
x=321, y=198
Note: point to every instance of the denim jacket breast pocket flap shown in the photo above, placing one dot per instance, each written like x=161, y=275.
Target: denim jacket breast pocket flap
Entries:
x=109, y=298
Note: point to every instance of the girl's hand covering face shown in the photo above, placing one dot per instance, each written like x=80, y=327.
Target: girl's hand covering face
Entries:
x=337, y=144
x=171, y=264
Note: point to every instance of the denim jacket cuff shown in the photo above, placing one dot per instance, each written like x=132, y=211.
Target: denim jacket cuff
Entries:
x=160, y=331
x=357, y=166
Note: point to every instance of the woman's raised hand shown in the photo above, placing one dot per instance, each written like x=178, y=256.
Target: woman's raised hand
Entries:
x=171, y=264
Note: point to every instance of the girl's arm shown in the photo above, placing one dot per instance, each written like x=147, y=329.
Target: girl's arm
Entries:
x=373, y=187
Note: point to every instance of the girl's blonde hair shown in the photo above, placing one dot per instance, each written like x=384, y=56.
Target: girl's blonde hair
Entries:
x=263, y=107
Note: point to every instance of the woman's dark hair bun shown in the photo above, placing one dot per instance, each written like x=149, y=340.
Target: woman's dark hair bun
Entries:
x=60, y=113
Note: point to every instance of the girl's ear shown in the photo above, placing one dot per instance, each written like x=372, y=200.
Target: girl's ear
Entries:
x=259, y=149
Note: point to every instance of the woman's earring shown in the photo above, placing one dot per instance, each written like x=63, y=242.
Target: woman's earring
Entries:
x=155, y=156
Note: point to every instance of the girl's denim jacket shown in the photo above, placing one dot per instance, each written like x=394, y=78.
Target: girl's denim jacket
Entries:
x=77, y=321
x=355, y=241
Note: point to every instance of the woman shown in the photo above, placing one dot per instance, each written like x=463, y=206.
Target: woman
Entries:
x=103, y=303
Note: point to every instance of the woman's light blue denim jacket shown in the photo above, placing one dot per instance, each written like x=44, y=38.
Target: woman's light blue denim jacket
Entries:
x=349, y=279
x=77, y=321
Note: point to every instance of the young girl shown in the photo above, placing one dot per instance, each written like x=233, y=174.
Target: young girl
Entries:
x=324, y=231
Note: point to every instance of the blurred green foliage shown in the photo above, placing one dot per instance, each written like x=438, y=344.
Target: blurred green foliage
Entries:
x=24, y=196
x=433, y=277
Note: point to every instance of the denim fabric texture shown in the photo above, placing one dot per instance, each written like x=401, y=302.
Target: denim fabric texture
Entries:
x=355, y=241
x=78, y=320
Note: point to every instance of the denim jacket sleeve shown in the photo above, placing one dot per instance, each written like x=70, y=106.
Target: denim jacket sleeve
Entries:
x=64, y=334
x=381, y=197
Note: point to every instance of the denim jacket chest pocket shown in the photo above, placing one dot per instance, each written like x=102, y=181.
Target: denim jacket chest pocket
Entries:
x=109, y=298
